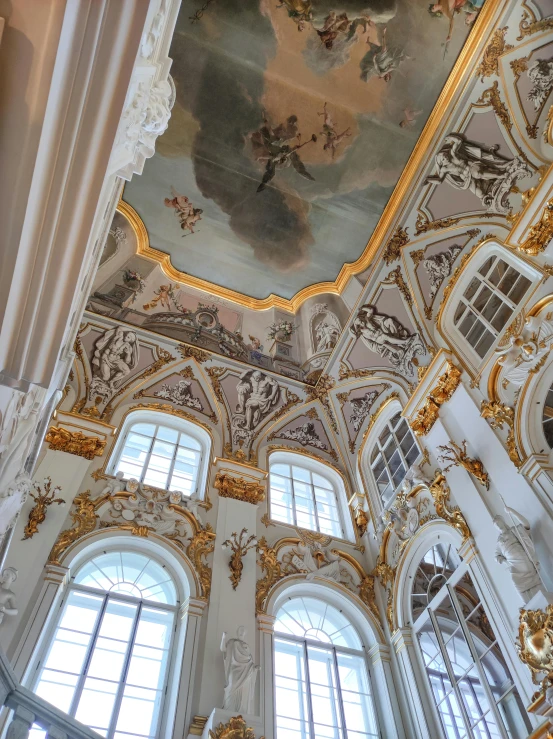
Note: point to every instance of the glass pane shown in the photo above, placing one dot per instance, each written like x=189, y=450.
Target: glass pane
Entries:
x=147, y=429
x=324, y=693
x=291, y=705
x=299, y=473
x=139, y=711
x=484, y=344
x=280, y=469
x=519, y=289
x=358, y=708
x=321, y=481
x=301, y=615
x=167, y=434
x=96, y=703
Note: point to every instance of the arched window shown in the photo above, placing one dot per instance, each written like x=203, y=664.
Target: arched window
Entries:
x=107, y=662
x=304, y=494
x=322, y=686
x=392, y=455
x=488, y=302
x=547, y=417
x=163, y=452
x=469, y=678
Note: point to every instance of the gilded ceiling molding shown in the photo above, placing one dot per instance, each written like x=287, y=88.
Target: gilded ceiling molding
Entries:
x=239, y=489
x=455, y=84
x=392, y=252
x=492, y=97
x=427, y=416
x=74, y=442
x=540, y=233
x=489, y=66
x=440, y=492
x=529, y=25
x=423, y=225
x=499, y=415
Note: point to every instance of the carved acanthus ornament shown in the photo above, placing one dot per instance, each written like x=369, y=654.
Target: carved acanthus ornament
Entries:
x=272, y=568
x=215, y=374
x=427, y=416
x=392, y=252
x=540, y=234
x=529, y=25
x=235, y=728
x=84, y=519
x=498, y=414
x=239, y=548
x=423, y=225
x=202, y=544
x=43, y=500
x=452, y=515
x=489, y=65
x=492, y=97
x=61, y=440
x=535, y=647
x=239, y=489
x=192, y=352
x=457, y=457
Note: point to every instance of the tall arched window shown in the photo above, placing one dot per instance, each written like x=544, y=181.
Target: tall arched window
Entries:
x=322, y=686
x=108, y=660
x=469, y=678
x=305, y=494
x=163, y=452
x=392, y=455
x=547, y=417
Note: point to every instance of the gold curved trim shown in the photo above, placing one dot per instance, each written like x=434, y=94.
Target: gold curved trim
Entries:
x=468, y=54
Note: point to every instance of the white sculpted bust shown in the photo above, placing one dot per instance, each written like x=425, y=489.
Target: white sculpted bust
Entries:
x=240, y=673
x=516, y=548
x=7, y=596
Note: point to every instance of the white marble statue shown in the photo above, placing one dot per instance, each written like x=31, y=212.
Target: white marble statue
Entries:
x=7, y=596
x=540, y=73
x=327, y=335
x=526, y=348
x=115, y=356
x=439, y=266
x=180, y=394
x=305, y=562
x=360, y=408
x=386, y=336
x=240, y=673
x=258, y=396
x=114, y=486
x=466, y=165
x=193, y=505
x=305, y=435
x=516, y=548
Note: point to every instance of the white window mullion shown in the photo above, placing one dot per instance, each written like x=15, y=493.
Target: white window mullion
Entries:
x=148, y=456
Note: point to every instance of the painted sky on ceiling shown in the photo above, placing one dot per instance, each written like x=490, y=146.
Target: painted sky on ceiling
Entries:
x=292, y=124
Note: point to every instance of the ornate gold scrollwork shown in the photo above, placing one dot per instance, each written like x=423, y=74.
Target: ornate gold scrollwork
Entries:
x=445, y=387
x=235, y=728
x=440, y=492
x=320, y=392
x=457, y=457
x=239, y=549
x=499, y=414
x=273, y=573
x=43, y=500
x=197, y=550
x=239, y=488
x=423, y=225
x=540, y=234
x=84, y=519
x=398, y=239
x=490, y=60
x=192, y=352
x=61, y=440
x=387, y=574
x=535, y=647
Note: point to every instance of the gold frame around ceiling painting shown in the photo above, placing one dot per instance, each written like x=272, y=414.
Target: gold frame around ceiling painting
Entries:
x=481, y=30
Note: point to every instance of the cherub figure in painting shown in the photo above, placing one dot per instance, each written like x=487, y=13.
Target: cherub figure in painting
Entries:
x=333, y=138
x=300, y=11
x=269, y=146
x=163, y=297
x=187, y=214
x=381, y=60
x=409, y=117
x=334, y=25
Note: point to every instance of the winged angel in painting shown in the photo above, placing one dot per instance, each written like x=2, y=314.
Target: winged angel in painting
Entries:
x=271, y=145
x=187, y=214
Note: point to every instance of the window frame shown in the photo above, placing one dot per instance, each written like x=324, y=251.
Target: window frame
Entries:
x=292, y=458
x=427, y=620
x=174, y=647
x=334, y=650
x=375, y=439
x=166, y=420
x=446, y=324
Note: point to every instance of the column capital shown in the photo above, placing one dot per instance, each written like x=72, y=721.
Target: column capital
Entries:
x=534, y=465
x=266, y=623
x=58, y=574
x=379, y=653
x=402, y=638
x=468, y=550
x=193, y=607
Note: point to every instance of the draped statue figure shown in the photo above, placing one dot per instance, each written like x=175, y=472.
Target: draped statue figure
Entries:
x=240, y=673
x=516, y=548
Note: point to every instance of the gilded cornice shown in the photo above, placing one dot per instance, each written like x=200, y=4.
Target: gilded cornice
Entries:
x=239, y=488
x=74, y=442
x=455, y=84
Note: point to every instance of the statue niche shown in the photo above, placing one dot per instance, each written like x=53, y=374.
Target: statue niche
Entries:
x=258, y=396
x=324, y=329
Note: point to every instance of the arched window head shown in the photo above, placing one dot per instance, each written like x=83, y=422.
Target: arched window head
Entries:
x=162, y=451
x=107, y=662
x=322, y=686
x=547, y=417
x=392, y=455
x=304, y=493
x=468, y=676
x=490, y=290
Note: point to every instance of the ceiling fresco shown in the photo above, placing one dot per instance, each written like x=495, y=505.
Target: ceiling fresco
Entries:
x=291, y=125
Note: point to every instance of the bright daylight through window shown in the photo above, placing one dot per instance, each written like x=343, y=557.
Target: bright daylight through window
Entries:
x=107, y=662
x=322, y=686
